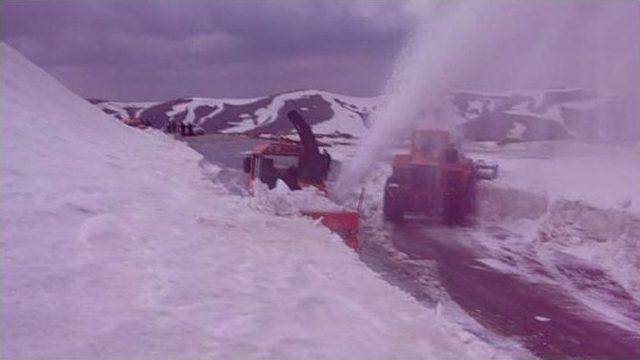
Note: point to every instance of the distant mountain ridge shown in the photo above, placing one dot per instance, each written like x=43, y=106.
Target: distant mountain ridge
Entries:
x=528, y=115
x=327, y=113
x=550, y=114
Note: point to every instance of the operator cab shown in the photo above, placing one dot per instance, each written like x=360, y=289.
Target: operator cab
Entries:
x=434, y=144
x=298, y=164
x=270, y=162
x=429, y=142
x=270, y=168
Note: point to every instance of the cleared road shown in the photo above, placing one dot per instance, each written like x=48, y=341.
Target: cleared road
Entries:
x=545, y=318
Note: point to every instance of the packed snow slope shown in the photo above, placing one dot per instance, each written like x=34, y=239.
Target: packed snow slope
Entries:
x=115, y=244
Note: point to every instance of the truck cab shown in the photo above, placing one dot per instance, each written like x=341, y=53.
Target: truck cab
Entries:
x=432, y=179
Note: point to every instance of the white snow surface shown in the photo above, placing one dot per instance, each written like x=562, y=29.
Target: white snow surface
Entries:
x=195, y=102
x=281, y=201
x=118, y=108
x=530, y=103
x=346, y=121
x=115, y=245
x=567, y=204
x=343, y=121
x=191, y=106
x=605, y=176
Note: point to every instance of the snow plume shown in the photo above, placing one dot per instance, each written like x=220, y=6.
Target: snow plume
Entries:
x=417, y=83
x=499, y=46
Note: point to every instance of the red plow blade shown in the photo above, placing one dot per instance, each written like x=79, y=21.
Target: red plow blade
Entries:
x=343, y=223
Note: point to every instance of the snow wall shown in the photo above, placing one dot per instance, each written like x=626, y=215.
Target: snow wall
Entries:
x=603, y=236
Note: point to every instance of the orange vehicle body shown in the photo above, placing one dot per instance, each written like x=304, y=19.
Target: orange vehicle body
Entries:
x=270, y=162
x=136, y=122
x=433, y=179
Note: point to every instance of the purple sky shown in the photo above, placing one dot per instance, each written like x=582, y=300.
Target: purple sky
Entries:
x=155, y=50
x=165, y=49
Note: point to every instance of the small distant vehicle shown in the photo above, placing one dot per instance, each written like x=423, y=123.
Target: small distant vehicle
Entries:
x=136, y=122
x=433, y=179
x=300, y=164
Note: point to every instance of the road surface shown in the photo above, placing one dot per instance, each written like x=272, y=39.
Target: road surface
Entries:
x=226, y=150
x=545, y=318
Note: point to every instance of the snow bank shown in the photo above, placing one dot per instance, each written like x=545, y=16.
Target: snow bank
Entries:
x=605, y=237
x=115, y=245
x=590, y=251
x=282, y=201
x=601, y=175
x=568, y=202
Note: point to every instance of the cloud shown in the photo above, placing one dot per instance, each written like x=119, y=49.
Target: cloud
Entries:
x=255, y=42
x=70, y=31
x=216, y=41
x=269, y=39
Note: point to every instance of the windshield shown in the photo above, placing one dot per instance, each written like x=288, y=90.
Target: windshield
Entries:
x=283, y=162
x=431, y=145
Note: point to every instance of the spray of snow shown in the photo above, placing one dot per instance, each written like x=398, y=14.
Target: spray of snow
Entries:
x=417, y=83
x=497, y=46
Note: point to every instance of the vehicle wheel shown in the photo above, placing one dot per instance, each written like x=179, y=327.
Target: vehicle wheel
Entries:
x=452, y=210
x=470, y=198
x=393, y=211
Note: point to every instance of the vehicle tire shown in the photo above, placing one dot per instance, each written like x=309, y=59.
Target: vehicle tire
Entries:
x=470, y=198
x=391, y=209
x=452, y=210
x=392, y=212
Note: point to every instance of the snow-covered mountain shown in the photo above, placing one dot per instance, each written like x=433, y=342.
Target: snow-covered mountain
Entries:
x=327, y=113
x=528, y=115
x=551, y=114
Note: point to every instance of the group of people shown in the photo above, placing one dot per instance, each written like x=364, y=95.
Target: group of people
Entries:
x=185, y=129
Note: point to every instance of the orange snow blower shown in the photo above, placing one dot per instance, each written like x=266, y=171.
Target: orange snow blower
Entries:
x=433, y=179
x=300, y=164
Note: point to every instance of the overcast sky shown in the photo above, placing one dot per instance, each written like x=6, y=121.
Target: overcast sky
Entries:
x=156, y=50
x=149, y=50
